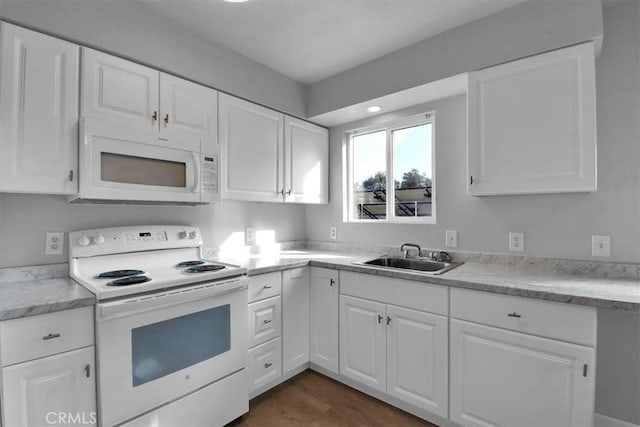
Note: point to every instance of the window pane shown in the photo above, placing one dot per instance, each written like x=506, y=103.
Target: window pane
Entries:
x=166, y=347
x=412, y=170
x=370, y=176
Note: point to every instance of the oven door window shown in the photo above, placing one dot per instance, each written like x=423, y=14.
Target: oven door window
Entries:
x=162, y=348
x=141, y=170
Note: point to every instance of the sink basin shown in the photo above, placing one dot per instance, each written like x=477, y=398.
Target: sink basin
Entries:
x=421, y=265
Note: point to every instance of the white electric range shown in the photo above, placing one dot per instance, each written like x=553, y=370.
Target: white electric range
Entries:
x=171, y=327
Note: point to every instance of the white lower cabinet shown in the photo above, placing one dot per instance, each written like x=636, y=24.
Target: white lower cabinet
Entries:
x=57, y=389
x=396, y=350
x=363, y=341
x=417, y=358
x=505, y=378
x=265, y=364
x=295, y=318
x=324, y=332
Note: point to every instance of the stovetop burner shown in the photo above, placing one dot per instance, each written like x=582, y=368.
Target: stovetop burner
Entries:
x=118, y=273
x=189, y=263
x=132, y=280
x=204, y=268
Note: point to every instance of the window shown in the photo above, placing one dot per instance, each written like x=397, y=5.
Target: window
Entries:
x=390, y=172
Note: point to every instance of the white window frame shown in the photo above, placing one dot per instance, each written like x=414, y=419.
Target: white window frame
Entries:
x=349, y=214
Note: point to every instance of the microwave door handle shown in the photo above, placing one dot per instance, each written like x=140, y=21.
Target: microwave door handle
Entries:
x=196, y=171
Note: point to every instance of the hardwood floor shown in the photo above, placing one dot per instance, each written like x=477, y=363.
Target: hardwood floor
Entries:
x=313, y=400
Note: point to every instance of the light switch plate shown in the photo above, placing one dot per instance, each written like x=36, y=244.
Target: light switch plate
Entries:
x=54, y=243
x=601, y=245
x=451, y=238
x=249, y=236
x=516, y=242
x=333, y=233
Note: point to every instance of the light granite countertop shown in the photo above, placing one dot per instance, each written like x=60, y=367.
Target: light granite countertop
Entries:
x=531, y=281
x=29, y=298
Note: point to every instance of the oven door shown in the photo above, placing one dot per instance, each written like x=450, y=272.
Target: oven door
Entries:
x=153, y=349
x=128, y=164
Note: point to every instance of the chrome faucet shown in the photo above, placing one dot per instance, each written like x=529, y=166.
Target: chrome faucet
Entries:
x=406, y=251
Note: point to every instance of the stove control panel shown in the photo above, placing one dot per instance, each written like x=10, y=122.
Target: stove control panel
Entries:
x=131, y=239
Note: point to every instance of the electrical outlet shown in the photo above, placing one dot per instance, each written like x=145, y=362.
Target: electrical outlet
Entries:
x=451, y=238
x=249, y=236
x=516, y=242
x=333, y=233
x=54, y=244
x=601, y=245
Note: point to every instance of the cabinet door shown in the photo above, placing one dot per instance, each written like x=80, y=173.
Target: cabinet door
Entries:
x=363, y=341
x=532, y=125
x=417, y=358
x=117, y=89
x=504, y=378
x=37, y=393
x=38, y=112
x=252, y=149
x=295, y=318
x=188, y=114
x=306, y=149
x=324, y=337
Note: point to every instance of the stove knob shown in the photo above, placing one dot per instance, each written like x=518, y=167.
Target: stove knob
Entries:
x=193, y=234
x=98, y=239
x=84, y=241
x=182, y=235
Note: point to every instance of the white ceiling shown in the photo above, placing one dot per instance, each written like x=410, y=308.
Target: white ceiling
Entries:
x=309, y=40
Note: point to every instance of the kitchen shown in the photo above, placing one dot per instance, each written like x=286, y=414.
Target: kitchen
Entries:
x=555, y=226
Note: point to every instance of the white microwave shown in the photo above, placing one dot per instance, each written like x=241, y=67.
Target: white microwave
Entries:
x=120, y=164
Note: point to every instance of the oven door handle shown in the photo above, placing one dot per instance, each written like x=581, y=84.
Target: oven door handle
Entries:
x=142, y=303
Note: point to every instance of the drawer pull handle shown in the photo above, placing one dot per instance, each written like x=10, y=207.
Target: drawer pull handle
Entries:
x=267, y=365
x=266, y=287
x=380, y=318
x=51, y=336
x=514, y=314
x=332, y=282
x=267, y=321
x=87, y=371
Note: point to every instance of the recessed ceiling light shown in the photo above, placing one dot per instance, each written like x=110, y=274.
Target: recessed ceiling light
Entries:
x=236, y=1
x=374, y=108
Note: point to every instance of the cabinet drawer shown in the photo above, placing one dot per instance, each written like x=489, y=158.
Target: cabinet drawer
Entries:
x=565, y=322
x=38, y=336
x=264, y=321
x=265, y=286
x=404, y=293
x=265, y=364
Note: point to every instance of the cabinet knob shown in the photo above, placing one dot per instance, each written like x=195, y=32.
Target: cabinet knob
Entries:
x=87, y=371
x=388, y=320
x=380, y=318
x=281, y=192
x=268, y=365
x=266, y=287
x=166, y=118
x=289, y=192
x=514, y=314
x=154, y=116
x=332, y=282
x=267, y=321
x=71, y=175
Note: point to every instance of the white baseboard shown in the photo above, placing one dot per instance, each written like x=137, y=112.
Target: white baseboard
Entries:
x=604, y=421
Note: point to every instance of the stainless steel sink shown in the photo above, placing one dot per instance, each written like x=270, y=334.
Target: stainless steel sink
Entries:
x=421, y=265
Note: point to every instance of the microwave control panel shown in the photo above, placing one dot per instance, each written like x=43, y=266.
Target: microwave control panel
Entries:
x=209, y=173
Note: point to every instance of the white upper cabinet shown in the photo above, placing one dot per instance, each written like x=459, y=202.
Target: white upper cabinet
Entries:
x=117, y=89
x=306, y=149
x=189, y=112
x=184, y=114
x=270, y=157
x=532, y=125
x=252, y=148
x=38, y=112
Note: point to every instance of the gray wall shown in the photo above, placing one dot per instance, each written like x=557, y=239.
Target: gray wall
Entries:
x=25, y=218
x=132, y=30
x=532, y=27
x=555, y=225
x=558, y=225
